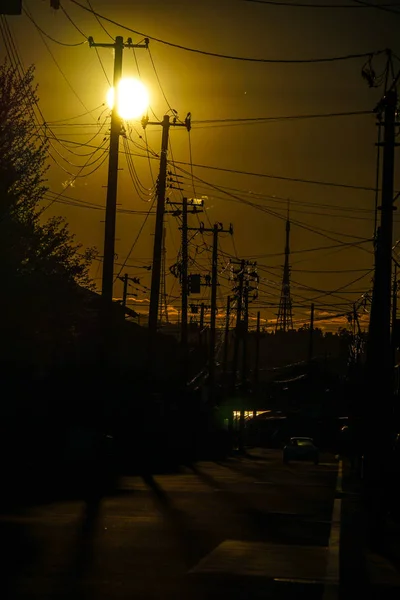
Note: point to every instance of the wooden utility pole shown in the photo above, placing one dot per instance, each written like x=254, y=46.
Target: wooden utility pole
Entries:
x=196, y=206
x=125, y=292
x=257, y=358
x=160, y=210
x=379, y=367
x=157, y=249
x=214, y=284
x=201, y=324
x=226, y=339
x=245, y=331
x=184, y=276
x=394, y=315
x=238, y=327
x=217, y=229
x=311, y=333
x=111, y=201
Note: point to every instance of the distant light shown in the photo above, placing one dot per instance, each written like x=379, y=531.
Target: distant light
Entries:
x=196, y=201
x=132, y=99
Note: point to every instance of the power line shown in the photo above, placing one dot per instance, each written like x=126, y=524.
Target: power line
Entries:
x=227, y=56
x=59, y=68
x=279, y=199
x=73, y=22
x=281, y=177
x=135, y=241
x=86, y=38
x=382, y=7
x=76, y=117
x=159, y=82
x=312, y=5
x=32, y=101
x=257, y=120
x=329, y=271
x=319, y=231
x=99, y=22
x=27, y=14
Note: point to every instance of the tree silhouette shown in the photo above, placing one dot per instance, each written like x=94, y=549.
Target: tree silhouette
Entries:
x=42, y=268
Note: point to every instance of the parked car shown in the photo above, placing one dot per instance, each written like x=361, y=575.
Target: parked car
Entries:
x=301, y=448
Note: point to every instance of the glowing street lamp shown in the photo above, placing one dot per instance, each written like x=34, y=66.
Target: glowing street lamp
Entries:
x=132, y=98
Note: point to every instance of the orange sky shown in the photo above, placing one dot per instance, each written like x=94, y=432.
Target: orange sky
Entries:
x=336, y=149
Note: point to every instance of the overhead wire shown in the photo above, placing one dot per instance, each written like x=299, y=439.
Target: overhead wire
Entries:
x=230, y=57
x=315, y=5
x=30, y=17
x=381, y=7
x=226, y=122
x=30, y=99
x=59, y=67
x=86, y=38
x=15, y=59
x=159, y=81
x=280, y=177
x=318, y=231
x=99, y=21
x=62, y=121
x=135, y=241
x=78, y=29
x=279, y=199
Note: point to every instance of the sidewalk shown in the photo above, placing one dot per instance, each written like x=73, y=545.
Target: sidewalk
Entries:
x=367, y=574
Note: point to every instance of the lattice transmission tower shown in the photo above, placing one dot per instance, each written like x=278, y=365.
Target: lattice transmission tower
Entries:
x=284, y=321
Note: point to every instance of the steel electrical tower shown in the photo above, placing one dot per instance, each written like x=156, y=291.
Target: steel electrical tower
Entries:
x=285, y=320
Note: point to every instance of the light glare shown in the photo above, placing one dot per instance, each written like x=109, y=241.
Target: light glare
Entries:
x=132, y=101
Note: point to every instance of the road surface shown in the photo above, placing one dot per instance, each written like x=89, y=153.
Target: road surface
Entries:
x=248, y=527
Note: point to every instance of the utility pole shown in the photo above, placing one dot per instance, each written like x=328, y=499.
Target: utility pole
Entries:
x=245, y=331
x=214, y=283
x=161, y=187
x=245, y=273
x=394, y=315
x=196, y=206
x=201, y=324
x=216, y=230
x=163, y=286
x=257, y=360
x=311, y=333
x=111, y=202
x=238, y=326
x=379, y=368
x=226, y=340
x=184, y=274
x=125, y=292
x=125, y=279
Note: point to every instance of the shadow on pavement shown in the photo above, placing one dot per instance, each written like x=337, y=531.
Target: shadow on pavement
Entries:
x=19, y=555
x=277, y=527
x=73, y=582
x=192, y=544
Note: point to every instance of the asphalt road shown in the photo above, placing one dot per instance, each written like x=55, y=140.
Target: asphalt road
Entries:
x=243, y=528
